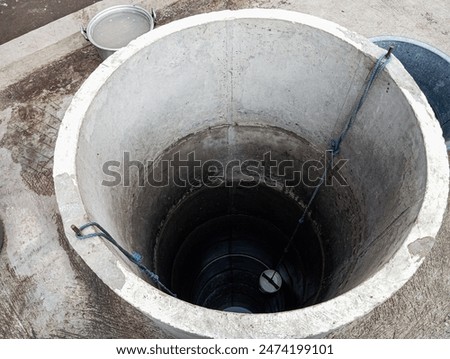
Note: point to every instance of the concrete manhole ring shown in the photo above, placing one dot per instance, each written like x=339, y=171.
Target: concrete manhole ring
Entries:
x=235, y=85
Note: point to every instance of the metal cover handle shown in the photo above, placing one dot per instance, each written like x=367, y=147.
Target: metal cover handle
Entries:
x=84, y=32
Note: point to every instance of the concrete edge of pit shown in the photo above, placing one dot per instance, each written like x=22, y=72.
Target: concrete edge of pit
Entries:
x=315, y=321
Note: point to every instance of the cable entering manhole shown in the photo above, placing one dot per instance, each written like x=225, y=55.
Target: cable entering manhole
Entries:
x=270, y=280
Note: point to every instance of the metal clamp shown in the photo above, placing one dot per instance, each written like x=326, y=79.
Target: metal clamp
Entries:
x=153, y=15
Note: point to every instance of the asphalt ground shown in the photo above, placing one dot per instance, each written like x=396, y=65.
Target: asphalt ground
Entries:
x=17, y=17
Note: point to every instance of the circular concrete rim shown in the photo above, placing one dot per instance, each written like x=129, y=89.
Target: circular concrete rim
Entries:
x=182, y=319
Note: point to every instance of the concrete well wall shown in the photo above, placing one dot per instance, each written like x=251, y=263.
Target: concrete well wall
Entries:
x=236, y=85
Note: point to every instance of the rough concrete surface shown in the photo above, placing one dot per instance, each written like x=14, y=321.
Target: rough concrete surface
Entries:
x=47, y=291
